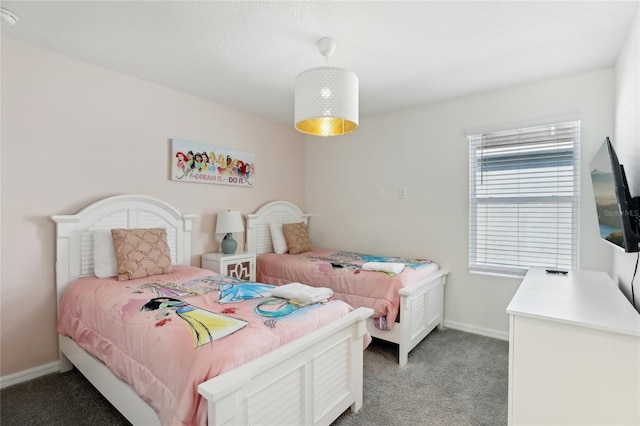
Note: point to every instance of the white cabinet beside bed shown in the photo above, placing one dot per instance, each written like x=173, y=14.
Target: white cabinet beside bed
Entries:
x=574, y=351
x=239, y=265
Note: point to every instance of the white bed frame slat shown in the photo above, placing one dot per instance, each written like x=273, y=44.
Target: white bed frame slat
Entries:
x=290, y=377
x=421, y=303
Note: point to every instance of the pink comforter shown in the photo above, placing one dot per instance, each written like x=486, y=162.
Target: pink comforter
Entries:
x=343, y=273
x=166, y=334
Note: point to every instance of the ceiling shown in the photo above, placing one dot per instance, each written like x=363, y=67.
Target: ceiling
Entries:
x=246, y=54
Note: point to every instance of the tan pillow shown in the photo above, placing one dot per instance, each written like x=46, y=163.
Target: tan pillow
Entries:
x=141, y=252
x=297, y=237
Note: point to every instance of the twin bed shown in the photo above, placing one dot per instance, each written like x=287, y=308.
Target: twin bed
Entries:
x=407, y=305
x=188, y=346
x=248, y=357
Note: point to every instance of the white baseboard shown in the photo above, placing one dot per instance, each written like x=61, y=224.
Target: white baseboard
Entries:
x=469, y=328
x=30, y=374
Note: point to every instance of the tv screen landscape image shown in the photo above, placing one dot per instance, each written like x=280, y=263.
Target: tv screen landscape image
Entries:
x=618, y=211
x=604, y=191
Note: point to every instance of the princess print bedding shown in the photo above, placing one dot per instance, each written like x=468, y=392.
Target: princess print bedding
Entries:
x=374, y=286
x=166, y=334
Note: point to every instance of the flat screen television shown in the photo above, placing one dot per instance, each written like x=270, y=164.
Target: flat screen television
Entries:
x=618, y=211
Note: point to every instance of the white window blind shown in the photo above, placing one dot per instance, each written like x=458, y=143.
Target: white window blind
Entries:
x=524, y=198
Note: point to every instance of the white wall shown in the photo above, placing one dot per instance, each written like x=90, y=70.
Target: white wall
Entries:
x=425, y=151
x=627, y=143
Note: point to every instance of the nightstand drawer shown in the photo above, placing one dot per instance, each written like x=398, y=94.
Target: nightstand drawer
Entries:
x=240, y=265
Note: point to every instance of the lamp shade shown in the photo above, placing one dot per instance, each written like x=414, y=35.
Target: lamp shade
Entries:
x=229, y=221
x=326, y=101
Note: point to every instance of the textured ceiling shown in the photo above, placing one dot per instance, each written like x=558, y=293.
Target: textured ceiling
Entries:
x=246, y=54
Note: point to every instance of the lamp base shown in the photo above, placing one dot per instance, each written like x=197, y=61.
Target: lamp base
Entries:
x=228, y=244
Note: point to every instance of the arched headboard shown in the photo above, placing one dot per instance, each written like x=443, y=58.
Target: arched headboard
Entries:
x=258, y=230
x=74, y=233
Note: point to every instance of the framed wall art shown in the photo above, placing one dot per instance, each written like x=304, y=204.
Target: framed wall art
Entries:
x=195, y=162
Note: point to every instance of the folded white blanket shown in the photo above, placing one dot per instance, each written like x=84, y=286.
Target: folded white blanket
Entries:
x=302, y=293
x=391, y=267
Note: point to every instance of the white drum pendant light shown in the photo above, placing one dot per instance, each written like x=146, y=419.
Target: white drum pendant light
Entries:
x=326, y=98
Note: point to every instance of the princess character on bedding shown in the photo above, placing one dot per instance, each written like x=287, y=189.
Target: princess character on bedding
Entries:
x=233, y=293
x=189, y=317
x=358, y=279
x=206, y=326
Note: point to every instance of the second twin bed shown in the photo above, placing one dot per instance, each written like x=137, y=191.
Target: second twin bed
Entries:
x=408, y=302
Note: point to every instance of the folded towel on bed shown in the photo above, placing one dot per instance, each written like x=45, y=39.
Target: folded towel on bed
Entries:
x=390, y=267
x=302, y=293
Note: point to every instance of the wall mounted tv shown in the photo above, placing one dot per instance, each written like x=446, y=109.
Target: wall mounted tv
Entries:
x=618, y=211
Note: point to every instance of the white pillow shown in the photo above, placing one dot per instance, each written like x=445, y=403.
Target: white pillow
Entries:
x=105, y=264
x=277, y=238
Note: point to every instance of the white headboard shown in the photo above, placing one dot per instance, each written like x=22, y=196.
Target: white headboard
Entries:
x=258, y=231
x=74, y=233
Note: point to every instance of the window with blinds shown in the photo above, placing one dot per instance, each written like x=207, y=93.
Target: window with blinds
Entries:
x=524, y=198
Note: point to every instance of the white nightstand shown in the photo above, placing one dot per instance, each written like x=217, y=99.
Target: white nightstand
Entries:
x=240, y=265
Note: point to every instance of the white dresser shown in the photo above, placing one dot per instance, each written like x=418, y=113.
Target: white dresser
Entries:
x=574, y=351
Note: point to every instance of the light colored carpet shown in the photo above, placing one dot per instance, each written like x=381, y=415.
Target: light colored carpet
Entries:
x=452, y=378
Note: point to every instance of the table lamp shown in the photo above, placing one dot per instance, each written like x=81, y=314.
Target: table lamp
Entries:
x=227, y=223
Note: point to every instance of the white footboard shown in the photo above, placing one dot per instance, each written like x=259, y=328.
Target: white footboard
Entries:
x=309, y=381
x=421, y=310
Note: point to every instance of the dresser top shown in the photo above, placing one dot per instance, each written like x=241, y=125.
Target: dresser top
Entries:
x=584, y=298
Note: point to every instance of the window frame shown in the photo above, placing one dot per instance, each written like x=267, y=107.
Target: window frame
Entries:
x=476, y=264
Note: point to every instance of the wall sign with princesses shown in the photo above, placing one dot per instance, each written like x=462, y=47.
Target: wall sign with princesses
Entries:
x=194, y=162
